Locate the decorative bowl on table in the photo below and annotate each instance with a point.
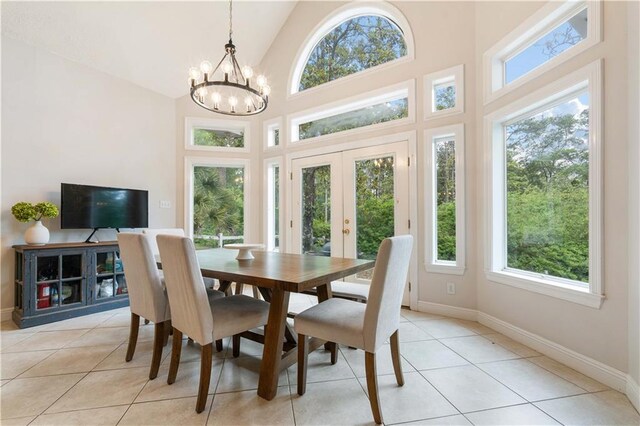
(244, 250)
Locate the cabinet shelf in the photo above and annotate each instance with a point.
(59, 281)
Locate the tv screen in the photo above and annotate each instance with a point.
(84, 206)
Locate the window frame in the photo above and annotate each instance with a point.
(191, 162)
(432, 264)
(588, 78)
(337, 17)
(455, 74)
(268, 203)
(374, 97)
(192, 123)
(537, 25)
(268, 127)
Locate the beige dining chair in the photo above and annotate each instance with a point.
(191, 315)
(154, 232)
(147, 294)
(363, 326)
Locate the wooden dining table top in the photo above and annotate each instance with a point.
(289, 272)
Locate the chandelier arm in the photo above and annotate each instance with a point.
(236, 70)
(219, 63)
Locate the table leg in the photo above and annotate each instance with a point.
(289, 334)
(324, 293)
(272, 353)
(225, 287)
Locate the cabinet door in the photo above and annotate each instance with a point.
(110, 282)
(60, 279)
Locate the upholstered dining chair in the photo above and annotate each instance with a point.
(193, 316)
(363, 326)
(147, 296)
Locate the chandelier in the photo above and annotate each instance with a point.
(227, 89)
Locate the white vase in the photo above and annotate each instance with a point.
(37, 234)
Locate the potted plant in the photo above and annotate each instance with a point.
(37, 234)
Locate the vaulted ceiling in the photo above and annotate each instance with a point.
(151, 44)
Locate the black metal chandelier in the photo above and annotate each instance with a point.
(226, 89)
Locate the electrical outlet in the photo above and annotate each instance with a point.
(451, 288)
(164, 204)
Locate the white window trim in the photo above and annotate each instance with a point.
(590, 78)
(268, 127)
(340, 15)
(191, 162)
(538, 24)
(215, 124)
(431, 263)
(268, 203)
(454, 74)
(405, 89)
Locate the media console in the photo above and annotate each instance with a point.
(65, 280)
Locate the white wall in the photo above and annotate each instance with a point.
(634, 194)
(64, 122)
(599, 334)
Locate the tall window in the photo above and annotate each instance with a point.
(445, 199)
(274, 236)
(352, 46)
(546, 183)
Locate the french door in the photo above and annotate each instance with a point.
(346, 203)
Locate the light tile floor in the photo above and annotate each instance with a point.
(456, 373)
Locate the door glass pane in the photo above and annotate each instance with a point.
(105, 287)
(71, 292)
(47, 268)
(316, 210)
(72, 266)
(218, 206)
(374, 207)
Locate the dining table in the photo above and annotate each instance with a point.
(277, 275)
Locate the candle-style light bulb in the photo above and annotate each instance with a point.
(261, 80)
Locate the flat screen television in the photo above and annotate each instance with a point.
(95, 207)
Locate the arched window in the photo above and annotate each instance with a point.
(352, 40)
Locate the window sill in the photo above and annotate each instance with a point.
(444, 269)
(548, 288)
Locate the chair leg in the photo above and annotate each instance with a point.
(158, 344)
(256, 293)
(219, 346)
(206, 358)
(395, 357)
(236, 345)
(176, 349)
(333, 347)
(372, 386)
(303, 353)
(133, 336)
(167, 332)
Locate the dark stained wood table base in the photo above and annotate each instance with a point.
(277, 275)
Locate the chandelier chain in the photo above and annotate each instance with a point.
(230, 19)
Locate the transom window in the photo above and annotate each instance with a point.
(204, 134)
(354, 45)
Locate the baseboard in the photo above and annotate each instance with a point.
(610, 376)
(5, 314)
(450, 311)
(633, 392)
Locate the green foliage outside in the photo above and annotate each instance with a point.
(548, 195)
(217, 204)
(445, 97)
(355, 45)
(380, 113)
(25, 212)
(221, 138)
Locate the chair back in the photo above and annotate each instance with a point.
(382, 315)
(146, 291)
(190, 310)
(153, 233)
